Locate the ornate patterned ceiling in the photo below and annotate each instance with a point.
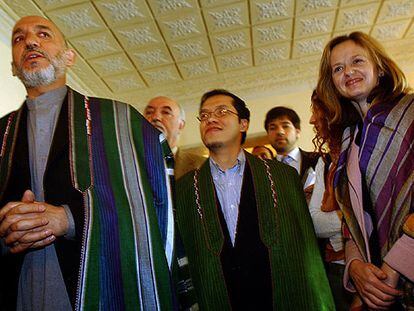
(133, 50)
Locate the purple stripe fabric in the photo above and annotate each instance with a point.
(385, 200)
(111, 289)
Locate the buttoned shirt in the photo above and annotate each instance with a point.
(228, 185)
(295, 159)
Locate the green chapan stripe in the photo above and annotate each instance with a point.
(158, 253)
(125, 226)
(92, 292)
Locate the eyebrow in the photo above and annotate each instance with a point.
(219, 106)
(37, 27)
(152, 108)
(353, 56)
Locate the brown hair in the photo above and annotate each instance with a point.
(327, 137)
(391, 84)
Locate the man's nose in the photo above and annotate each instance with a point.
(280, 131)
(31, 41)
(157, 115)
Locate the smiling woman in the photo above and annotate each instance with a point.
(364, 92)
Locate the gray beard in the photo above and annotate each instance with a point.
(43, 76)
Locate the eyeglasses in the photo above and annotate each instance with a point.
(218, 113)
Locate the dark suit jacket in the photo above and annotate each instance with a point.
(309, 159)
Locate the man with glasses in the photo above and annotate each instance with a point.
(244, 222)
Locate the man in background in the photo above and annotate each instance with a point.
(282, 125)
(169, 117)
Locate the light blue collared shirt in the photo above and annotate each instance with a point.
(228, 185)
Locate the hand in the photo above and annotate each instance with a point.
(369, 281)
(30, 224)
(392, 275)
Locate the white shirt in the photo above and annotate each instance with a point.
(228, 185)
(326, 224)
(296, 158)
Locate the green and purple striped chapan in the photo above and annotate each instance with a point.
(118, 161)
(126, 190)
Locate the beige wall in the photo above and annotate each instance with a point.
(12, 92)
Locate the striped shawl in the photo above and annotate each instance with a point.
(386, 160)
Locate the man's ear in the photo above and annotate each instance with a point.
(70, 57)
(297, 133)
(244, 125)
(182, 124)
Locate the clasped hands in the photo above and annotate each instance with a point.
(30, 224)
(375, 286)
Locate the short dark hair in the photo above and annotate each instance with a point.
(279, 112)
(238, 104)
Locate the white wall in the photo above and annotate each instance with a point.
(12, 91)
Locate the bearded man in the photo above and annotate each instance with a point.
(86, 216)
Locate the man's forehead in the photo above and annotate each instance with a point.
(36, 22)
(282, 119)
(214, 106)
(162, 102)
(218, 101)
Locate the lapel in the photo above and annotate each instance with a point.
(60, 139)
(210, 221)
(79, 122)
(268, 215)
(303, 163)
(14, 160)
(341, 185)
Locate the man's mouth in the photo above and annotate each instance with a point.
(212, 129)
(33, 55)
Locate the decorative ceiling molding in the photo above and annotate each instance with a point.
(136, 49)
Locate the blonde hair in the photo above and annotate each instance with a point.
(339, 113)
(391, 85)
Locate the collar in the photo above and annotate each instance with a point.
(174, 150)
(47, 100)
(294, 154)
(239, 166)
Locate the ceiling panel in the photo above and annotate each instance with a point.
(133, 50)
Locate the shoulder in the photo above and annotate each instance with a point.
(406, 104)
(9, 117)
(185, 187)
(312, 157)
(188, 178)
(189, 156)
(276, 167)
